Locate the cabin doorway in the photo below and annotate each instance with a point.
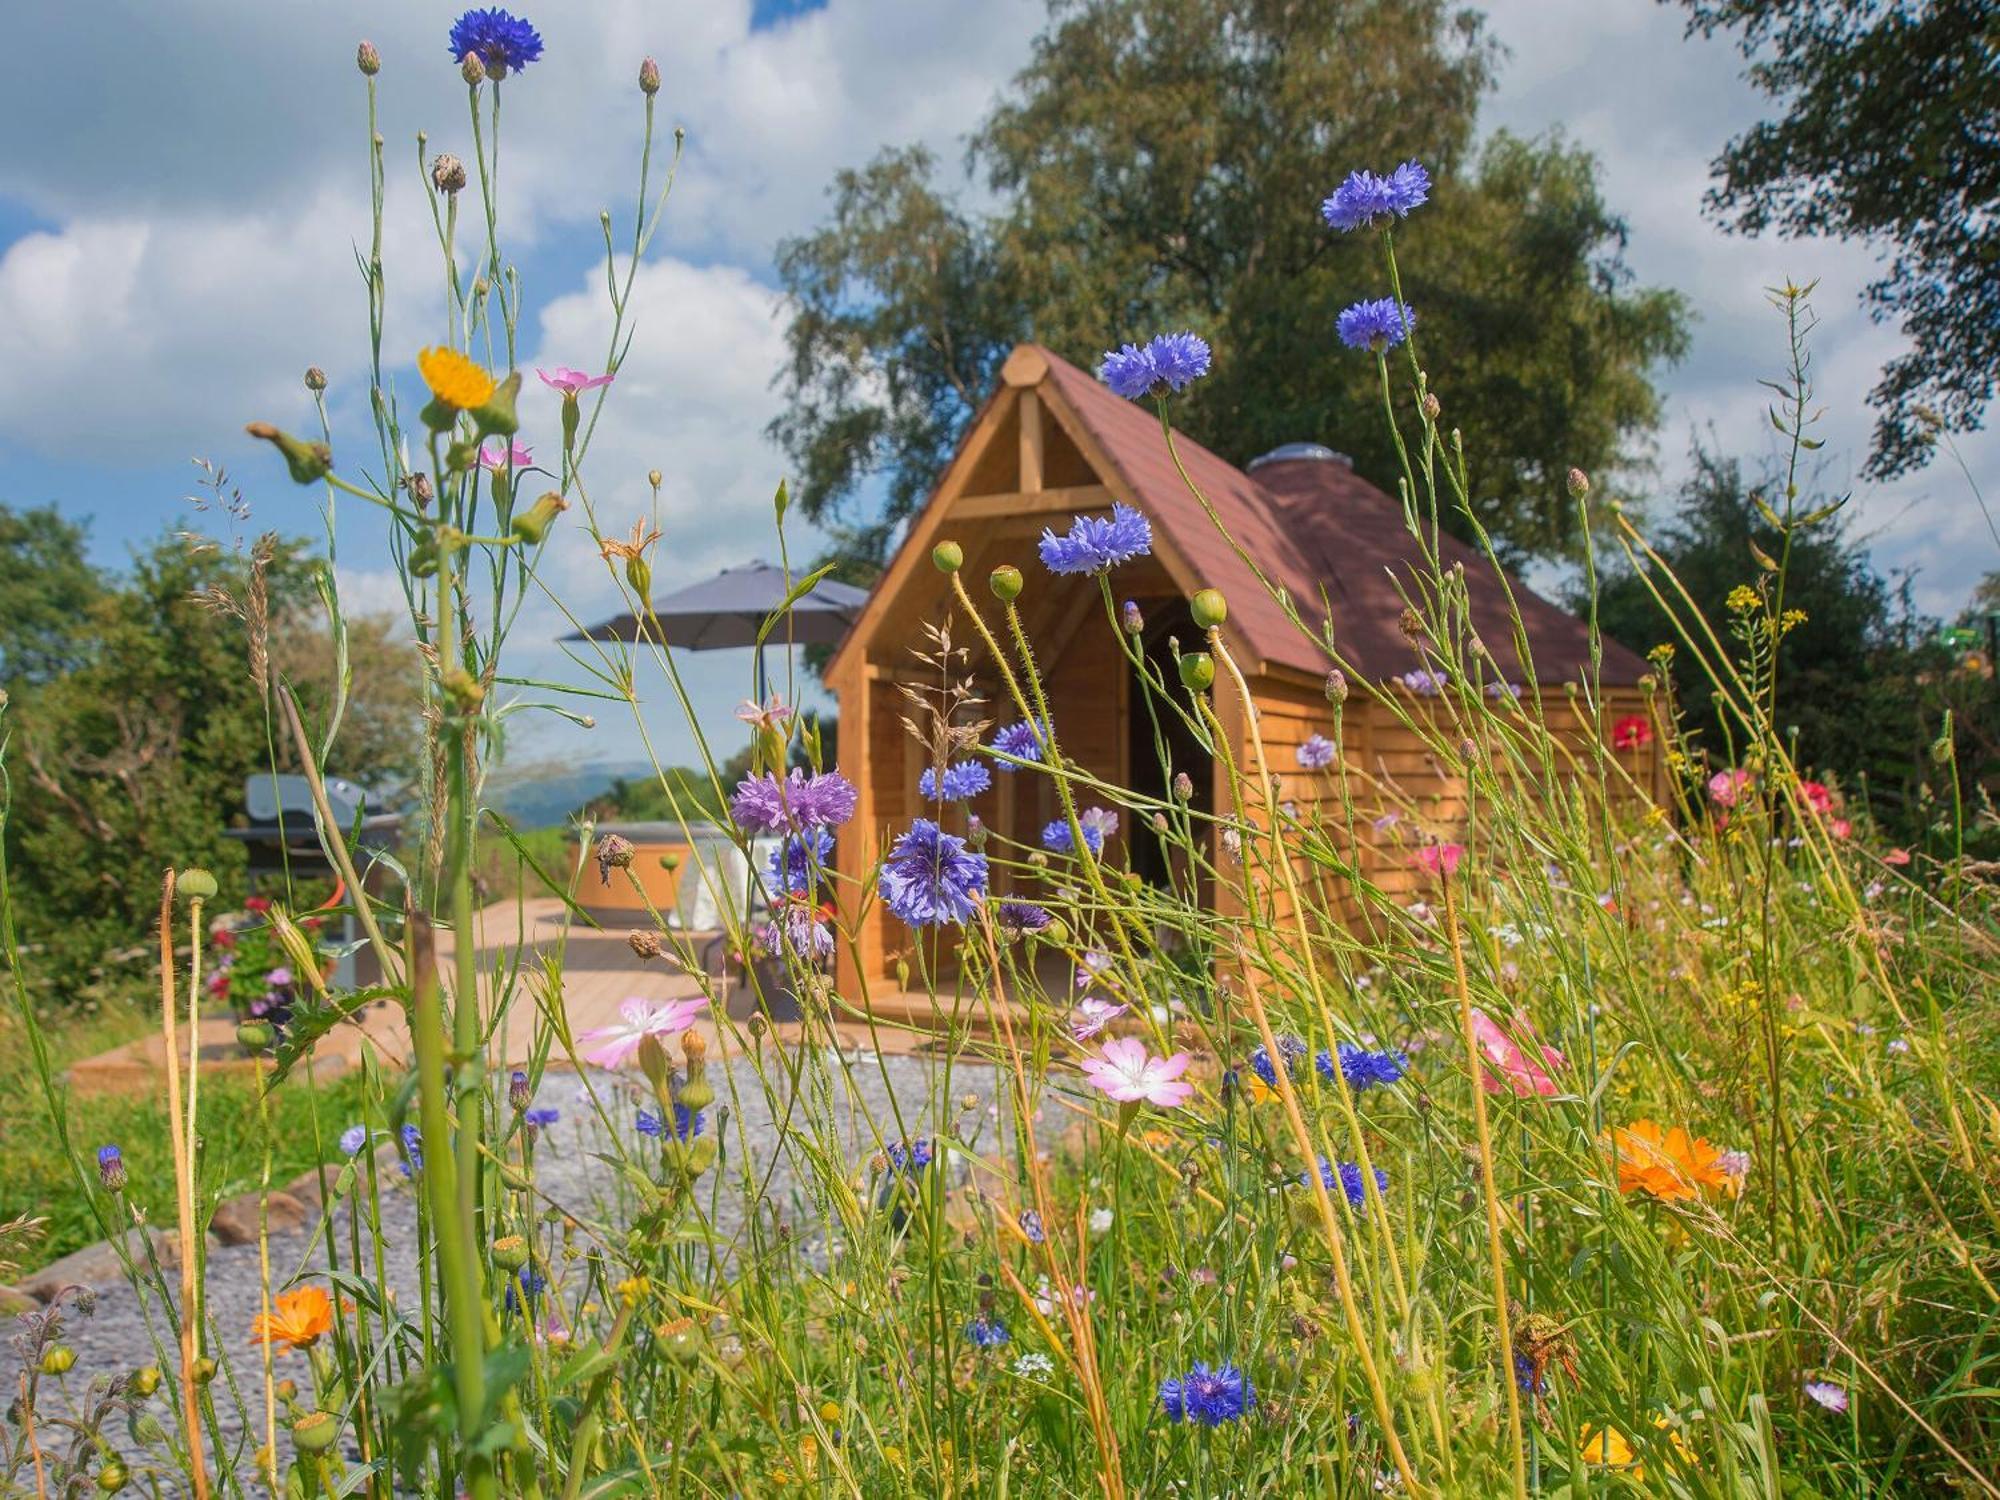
(1159, 745)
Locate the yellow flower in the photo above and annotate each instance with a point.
(1742, 599)
(301, 1317)
(454, 379)
(1607, 1446)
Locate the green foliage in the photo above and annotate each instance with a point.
(1862, 681)
(49, 594)
(1889, 114)
(1159, 165)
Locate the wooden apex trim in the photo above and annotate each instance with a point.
(1026, 366)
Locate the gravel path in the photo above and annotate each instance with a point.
(116, 1336)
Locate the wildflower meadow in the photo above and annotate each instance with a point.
(1622, 1123)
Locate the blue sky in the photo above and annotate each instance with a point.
(182, 193)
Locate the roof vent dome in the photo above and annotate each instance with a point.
(1299, 453)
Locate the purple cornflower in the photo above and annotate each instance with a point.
(1208, 1396)
(542, 1118)
(1365, 200)
(413, 1151)
(762, 805)
(1019, 741)
(111, 1168)
(1290, 1048)
(931, 878)
(520, 1092)
(687, 1123)
(504, 43)
(1348, 1179)
(1031, 1227)
(1316, 754)
(1424, 682)
(1364, 1069)
(987, 1333)
(909, 1158)
(353, 1139)
(1097, 544)
(1378, 325)
(1057, 839)
(960, 782)
(1166, 362)
(799, 863)
(1525, 1377)
(797, 926)
(1498, 690)
(531, 1284)
(1827, 1394)
(1018, 917)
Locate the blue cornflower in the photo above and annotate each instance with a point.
(1317, 753)
(987, 1333)
(1364, 1069)
(909, 1158)
(1376, 325)
(1018, 740)
(413, 1151)
(1290, 1048)
(1097, 544)
(1348, 1178)
(931, 878)
(504, 43)
(687, 1123)
(1365, 199)
(1166, 362)
(1023, 916)
(1057, 838)
(1031, 1226)
(542, 1118)
(532, 1284)
(960, 782)
(353, 1139)
(111, 1168)
(1208, 1396)
(1531, 1382)
(1425, 682)
(799, 863)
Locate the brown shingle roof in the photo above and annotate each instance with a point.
(1314, 524)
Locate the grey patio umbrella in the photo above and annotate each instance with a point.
(730, 608)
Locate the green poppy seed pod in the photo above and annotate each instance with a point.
(112, 1478)
(424, 559)
(1579, 484)
(472, 70)
(697, 1094)
(670, 861)
(465, 691)
(948, 556)
(1209, 608)
(286, 1390)
(308, 462)
(315, 1431)
(367, 59)
(204, 1370)
(1005, 582)
(255, 1036)
(144, 1381)
(58, 1359)
(649, 77)
(315, 379)
(195, 883)
(1198, 671)
(510, 1252)
(655, 478)
(461, 456)
(700, 1155)
(532, 524)
(497, 417)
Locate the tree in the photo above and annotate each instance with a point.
(50, 588)
(1159, 164)
(1890, 133)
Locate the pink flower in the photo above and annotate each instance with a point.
(1438, 859)
(770, 715)
(1815, 796)
(615, 1046)
(1128, 1073)
(1724, 787)
(1091, 1015)
(494, 457)
(572, 383)
(1508, 1065)
(1840, 828)
(1897, 857)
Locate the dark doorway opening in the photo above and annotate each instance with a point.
(1160, 744)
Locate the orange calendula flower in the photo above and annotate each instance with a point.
(454, 379)
(1669, 1165)
(299, 1319)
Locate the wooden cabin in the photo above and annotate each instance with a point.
(1050, 443)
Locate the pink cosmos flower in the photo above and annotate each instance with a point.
(572, 383)
(1725, 787)
(1091, 1015)
(1508, 1065)
(614, 1046)
(493, 457)
(1438, 859)
(1128, 1073)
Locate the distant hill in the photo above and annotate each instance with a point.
(550, 793)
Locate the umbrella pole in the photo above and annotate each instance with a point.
(761, 679)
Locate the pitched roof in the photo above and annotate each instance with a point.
(1314, 524)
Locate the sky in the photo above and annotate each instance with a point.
(183, 195)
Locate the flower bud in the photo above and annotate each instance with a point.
(520, 1092)
(1579, 484)
(639, 579)
(1005, 582)
(497, 417)
(204, 1370)
(697, 1094)
(655, 478)
(1183, 786)
(975, 831)
(472, 70)
(255, 1035)
(112, 1478)
(532, 524)
(510, 1252)
(111, 1169)
(1198, 671)
(447, 173)
(1133, 621)
(315, 379)
(308, 462)
(948, 557)
(614, 852)
(195, 883)
(1432, 406)
(649, 77)
(367, 59)
(144, 1381)
(1336, 686)
(286, 1390)
(316, 1431)
(1209, 608)
(58, 1359)
(422, 491)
